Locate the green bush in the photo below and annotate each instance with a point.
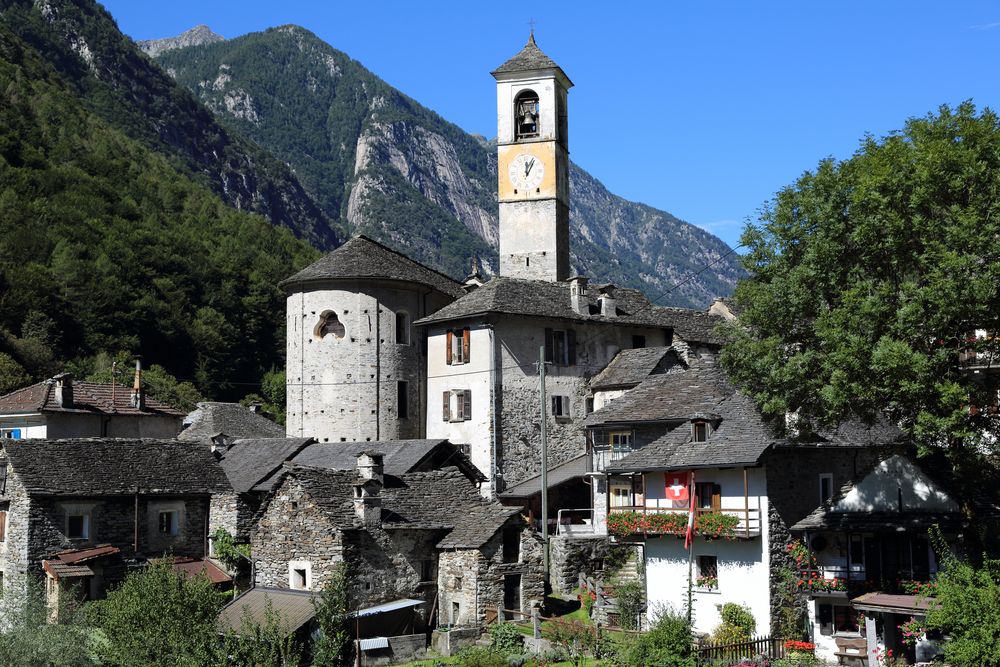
(667, 644)
(629, 594)
(505, 638)
(479, 656)
(737, 625)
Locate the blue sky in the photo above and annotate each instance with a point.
(703, 109)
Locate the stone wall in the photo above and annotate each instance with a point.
(529, 565)
(569, 557)
(14, 549)
(458, 584)
(224, 512)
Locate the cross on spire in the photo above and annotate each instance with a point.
(531, 24)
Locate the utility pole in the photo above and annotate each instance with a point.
(545, 465)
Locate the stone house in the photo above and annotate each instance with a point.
(688, 434)
(77, 511)
(417, 535)
(63, 408)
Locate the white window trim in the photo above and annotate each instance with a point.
(300, 565)
(85, 532)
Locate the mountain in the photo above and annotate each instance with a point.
(200, 34)
(121, 85)
(380, 163)
(109, 241)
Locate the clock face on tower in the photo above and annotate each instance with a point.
(526, 172)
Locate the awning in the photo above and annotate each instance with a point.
(893, 604)
(373, 643)
(387, 607)
(59, 570)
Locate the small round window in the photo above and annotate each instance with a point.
(329, 324)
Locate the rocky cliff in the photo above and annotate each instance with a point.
(378, 162)
(196, 36)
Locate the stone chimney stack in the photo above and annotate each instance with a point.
(64, 390)
(367, 490)
(609, 305)
(138, 394)
(578, 295)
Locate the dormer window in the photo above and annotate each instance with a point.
(526, 115)
(699, 431)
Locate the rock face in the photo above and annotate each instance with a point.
(379, 163)
(196, 36)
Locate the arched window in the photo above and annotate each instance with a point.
(329, 324)
(526, 115)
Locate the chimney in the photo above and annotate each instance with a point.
(138, 395)
(254, 408)
(367, 501)
(64, 390)
(578, 295)
(609, 306)
(474, 279)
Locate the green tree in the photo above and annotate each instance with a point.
(967, 609)
(331, 648)
(159, 618)
(869, 275)
(12, 374)
(267, 644)
(30, 639)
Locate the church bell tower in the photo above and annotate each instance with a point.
(533, 166)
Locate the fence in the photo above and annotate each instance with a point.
(715, 653)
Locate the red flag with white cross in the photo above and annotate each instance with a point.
(677, 486)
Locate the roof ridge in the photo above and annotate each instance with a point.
(407, 258)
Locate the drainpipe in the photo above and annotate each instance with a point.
(135, 526)
(493, 411)
(378, 370)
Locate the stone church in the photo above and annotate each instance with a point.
(381, 347)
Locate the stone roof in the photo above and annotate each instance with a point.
(437, 500)
(212, 419)
(88, 398)
(444, 499)
(250, 461)
(575, 468)
(527, 59)
(399, 456)
(110, 467)
(292, 608)
(551, 300)
(362, 257)
(630, 367)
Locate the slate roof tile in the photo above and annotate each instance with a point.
(528, 58)
(233, 420)
(249, 461)
(362, 257)
(110, 466)
(630, 367)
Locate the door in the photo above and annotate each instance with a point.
(511, 595)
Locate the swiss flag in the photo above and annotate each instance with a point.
(677, 485)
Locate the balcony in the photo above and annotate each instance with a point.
(729, 524)
(981, 352)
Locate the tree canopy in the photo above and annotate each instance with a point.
(870, 278)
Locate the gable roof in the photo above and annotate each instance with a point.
(894, 493)
(527, 59)
(551, 300)
(630, 367)
(575, 468)
(399, 456)
(88, 397)
(212, 419)
(362, 257)
(249, 461)
(110, 467)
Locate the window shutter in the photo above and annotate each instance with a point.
(446, 404)
(467, 414)
(465, 345)
(555, 406)
(447, 353)
(548, 345)
(716, 496)
(3, 526)
(571, 346)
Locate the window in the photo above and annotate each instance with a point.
(300, 575)
(402, 329)
(3, 477)
(560, 406)
(329, 324)
(402, 399)
(620, 492)
(836, 618)
(621, 444)
(78, 526)
(560, 347)
(825, 487)
(3, 526)
(427, 570)
(457, 405)
(10, 434)
(169, 522)
(699, 431)
(511, 544)
(457, 346)
(708, 495)
(526, 115)
(708, 572)
(857, 550)
(638, 341)
(456, 613)
(588, 405)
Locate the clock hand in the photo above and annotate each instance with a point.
(527, 167)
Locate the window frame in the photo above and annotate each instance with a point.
(295, 566)
(458, 346)
(403, 327)
(559, 407)
(461, 399)
(560, 347)
(825, 477)
(618, 484)
(84, 525)
(705, 430)
(173, 525)
(708, 566)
